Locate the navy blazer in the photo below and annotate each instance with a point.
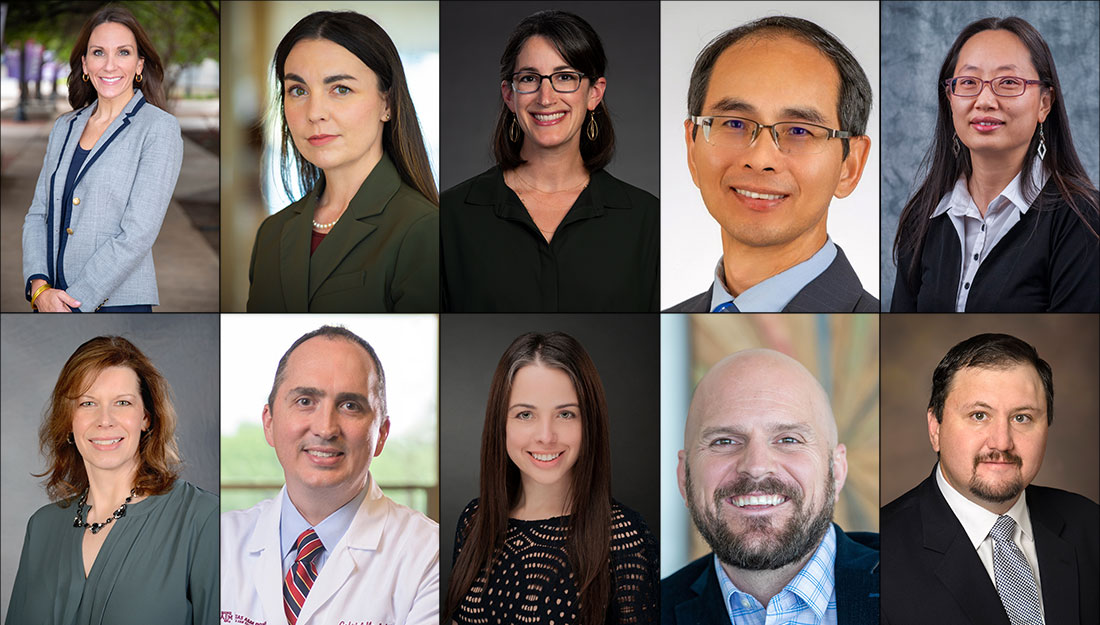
(693, 596)
(931, 572)
(837, 289)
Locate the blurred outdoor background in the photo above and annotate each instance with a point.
(842, 353)
(252, 187)
(37, 39)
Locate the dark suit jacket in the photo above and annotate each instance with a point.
(837, 289)
(382, 256)
(932, 574)
(693, 596)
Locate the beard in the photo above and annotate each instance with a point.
(760, 546)
(996, 493)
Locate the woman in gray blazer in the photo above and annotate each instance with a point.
(110, 168)
(364, 235)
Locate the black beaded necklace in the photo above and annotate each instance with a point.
(95, 527)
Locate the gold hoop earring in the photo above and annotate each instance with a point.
(137, 79)
(84, 78)
(593, 129)
(513, 130)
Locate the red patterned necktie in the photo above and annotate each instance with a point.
(302, 574)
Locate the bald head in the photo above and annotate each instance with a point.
(759, 382)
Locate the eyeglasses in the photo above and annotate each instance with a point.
(1004, 86)
(562, 82)
(790, 137)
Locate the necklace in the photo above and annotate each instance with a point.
(95, 527)
(325, 226)
(531, 186)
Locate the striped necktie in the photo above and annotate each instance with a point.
(302, 574)
(1015, 583)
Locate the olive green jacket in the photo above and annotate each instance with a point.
(382, 256)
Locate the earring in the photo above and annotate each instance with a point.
(513, 130)
(955, 145)
(593, 130)
(137, 79)
(69, 438)
(1042, 151)
(84, 78)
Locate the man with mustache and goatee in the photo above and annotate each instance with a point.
(760, 471)
(976, 542)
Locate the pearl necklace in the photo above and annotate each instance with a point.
(95, 527)
(325, 226)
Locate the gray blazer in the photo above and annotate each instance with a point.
(119, 200)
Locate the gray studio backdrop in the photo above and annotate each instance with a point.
(471, 42)
(33, 348)
(915, 40)
(626, 350)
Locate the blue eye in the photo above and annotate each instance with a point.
(788, 440)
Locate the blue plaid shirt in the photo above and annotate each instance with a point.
(809, 598)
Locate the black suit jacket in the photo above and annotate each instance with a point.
(693, 596)
(837, 289)
(932, 574)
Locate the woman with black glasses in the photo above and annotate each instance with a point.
(547, 229)
(1006, 219)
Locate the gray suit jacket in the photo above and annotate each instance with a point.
(119, 200)
(837, 289)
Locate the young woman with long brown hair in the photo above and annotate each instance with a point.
(545, 542)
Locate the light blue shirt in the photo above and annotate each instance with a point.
(330, 530)
(774, 293)
(979, 234)
(808, 599)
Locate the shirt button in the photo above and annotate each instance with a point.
(975, 257)
(76, 201)
(967, 286)
(69, 230)
(744, 603)
(983, 227)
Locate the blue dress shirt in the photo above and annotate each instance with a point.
(330, 530)
(774, 293)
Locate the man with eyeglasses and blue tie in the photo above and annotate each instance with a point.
(778, 110)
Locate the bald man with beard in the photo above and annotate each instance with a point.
(760, 471)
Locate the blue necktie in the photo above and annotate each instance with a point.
(1015, 583)
(729, 307)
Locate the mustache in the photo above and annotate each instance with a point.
(766, 486)
(999, 456)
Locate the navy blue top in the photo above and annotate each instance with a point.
(66, 213)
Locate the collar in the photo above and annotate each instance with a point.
(603, 192)
(774, 293)
(330, 530)
(1017, 194)
(813, 585)
(976, 520)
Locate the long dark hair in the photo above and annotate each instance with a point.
(82, 93)
(580, 46)
(943, 168)
(401, 137)
(588, 543)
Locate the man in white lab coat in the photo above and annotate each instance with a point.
(330, 547)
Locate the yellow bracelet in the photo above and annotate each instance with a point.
(39, 292)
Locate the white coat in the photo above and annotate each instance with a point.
(384, 571)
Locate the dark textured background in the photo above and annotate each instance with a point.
(915, 39)
(626, 351)
(472, 38)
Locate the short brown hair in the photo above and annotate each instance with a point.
(158, 455)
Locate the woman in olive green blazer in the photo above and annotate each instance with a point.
(365, 236)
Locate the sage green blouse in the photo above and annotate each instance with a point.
(159, 565)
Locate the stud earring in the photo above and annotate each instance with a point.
(955, 145)
(593, 130)
(513, 130)
(1042, 150)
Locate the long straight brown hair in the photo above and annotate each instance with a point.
(588, 540)
(82, 93)
(401, 137)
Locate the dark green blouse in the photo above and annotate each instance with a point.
(159, 565)
(602, 258)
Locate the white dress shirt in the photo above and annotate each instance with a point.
(977, 521)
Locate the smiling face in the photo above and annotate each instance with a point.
(543, 428)
(333, 107)
(111, 61)
(760, 470)
(989, 124)
(993, 435)
(108, 420)
(760, 196)
(548, 119)
(324, 425)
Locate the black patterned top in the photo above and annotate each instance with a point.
(532, 582)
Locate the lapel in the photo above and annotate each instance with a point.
(954, 560)
(836, 290)
(707, 606)
(1057, 563)
(264, 565)
(856, 575)
(362, 218)
(294, 257)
